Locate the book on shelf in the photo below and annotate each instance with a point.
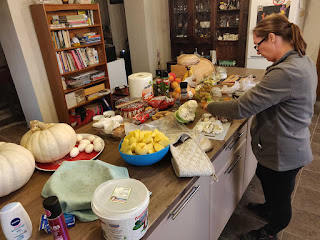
(85, 78)
(57, 25)
(75, 59)
(61, 39)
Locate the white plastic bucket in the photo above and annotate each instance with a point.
(122, 207)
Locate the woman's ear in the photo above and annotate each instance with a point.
(272, 37)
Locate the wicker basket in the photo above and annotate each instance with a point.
(201, 70)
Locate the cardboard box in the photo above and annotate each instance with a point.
(94, 89)
(71, 100)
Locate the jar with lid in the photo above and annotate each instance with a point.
(184, 92)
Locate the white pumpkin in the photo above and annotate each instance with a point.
(16, 167)
(49, 142)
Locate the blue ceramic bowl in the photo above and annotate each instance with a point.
(143, 160)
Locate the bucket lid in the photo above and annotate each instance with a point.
(119, 198)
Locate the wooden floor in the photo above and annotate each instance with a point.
(305, 222)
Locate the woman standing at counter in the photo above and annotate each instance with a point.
(283, 104)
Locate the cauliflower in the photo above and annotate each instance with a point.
(187, 111)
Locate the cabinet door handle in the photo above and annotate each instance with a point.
(229, 170)
(231, 145)
(181, 206)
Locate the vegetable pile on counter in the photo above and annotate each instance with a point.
(187, 112)
(49, 142)
(208, 124)
(16, 167)
(144, 142)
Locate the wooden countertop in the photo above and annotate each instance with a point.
(167, 189)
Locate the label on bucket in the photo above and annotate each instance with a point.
(132, 228)
(120, 194)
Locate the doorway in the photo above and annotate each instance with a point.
(10, 108)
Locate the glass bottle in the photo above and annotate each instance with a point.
(184, 92)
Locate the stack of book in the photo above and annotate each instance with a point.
(96, 75)
(85, 78)
(74, 20)
(72, 60)
(82, 19)
(89, 38)
(61, 39)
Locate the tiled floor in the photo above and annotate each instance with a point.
(305, 222)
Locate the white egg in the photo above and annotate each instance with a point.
(79, 137)
(97, 147)
(86, 141)
(74, 152)
(97, 140)
(91, 138)
(89, 148)
(82, 146)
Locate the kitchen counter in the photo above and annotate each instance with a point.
(167, 189)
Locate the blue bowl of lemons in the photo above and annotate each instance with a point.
(144, 148)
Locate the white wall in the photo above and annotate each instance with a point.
(21, 48)
(118, 26)
(311, 31)
(254, 60)
(148, 31)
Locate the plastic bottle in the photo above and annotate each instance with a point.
(55, 218)
(15, 222)
(158, 79)
(165, 83)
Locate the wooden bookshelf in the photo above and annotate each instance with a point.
(42, 18)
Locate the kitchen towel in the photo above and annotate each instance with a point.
(189, 160)
(74, 184)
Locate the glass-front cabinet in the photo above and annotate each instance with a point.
(202, 21)
(199, 26)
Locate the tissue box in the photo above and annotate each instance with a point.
(44, 225)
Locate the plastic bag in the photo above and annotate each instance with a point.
(168, 125)
(230, 90)
(247, 83)
(216, 92)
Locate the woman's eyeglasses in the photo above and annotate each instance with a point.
(256, 46)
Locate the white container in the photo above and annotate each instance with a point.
(109, 114)
(140, 85)
(122, 207)
(15, 222)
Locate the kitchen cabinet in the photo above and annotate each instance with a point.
(227, 192)
(251, 161)
(208, 211)
(190, 218)
(209, 25)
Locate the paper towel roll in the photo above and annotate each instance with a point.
(140, 85)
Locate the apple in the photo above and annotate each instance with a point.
(178, 80)
(173, 75)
